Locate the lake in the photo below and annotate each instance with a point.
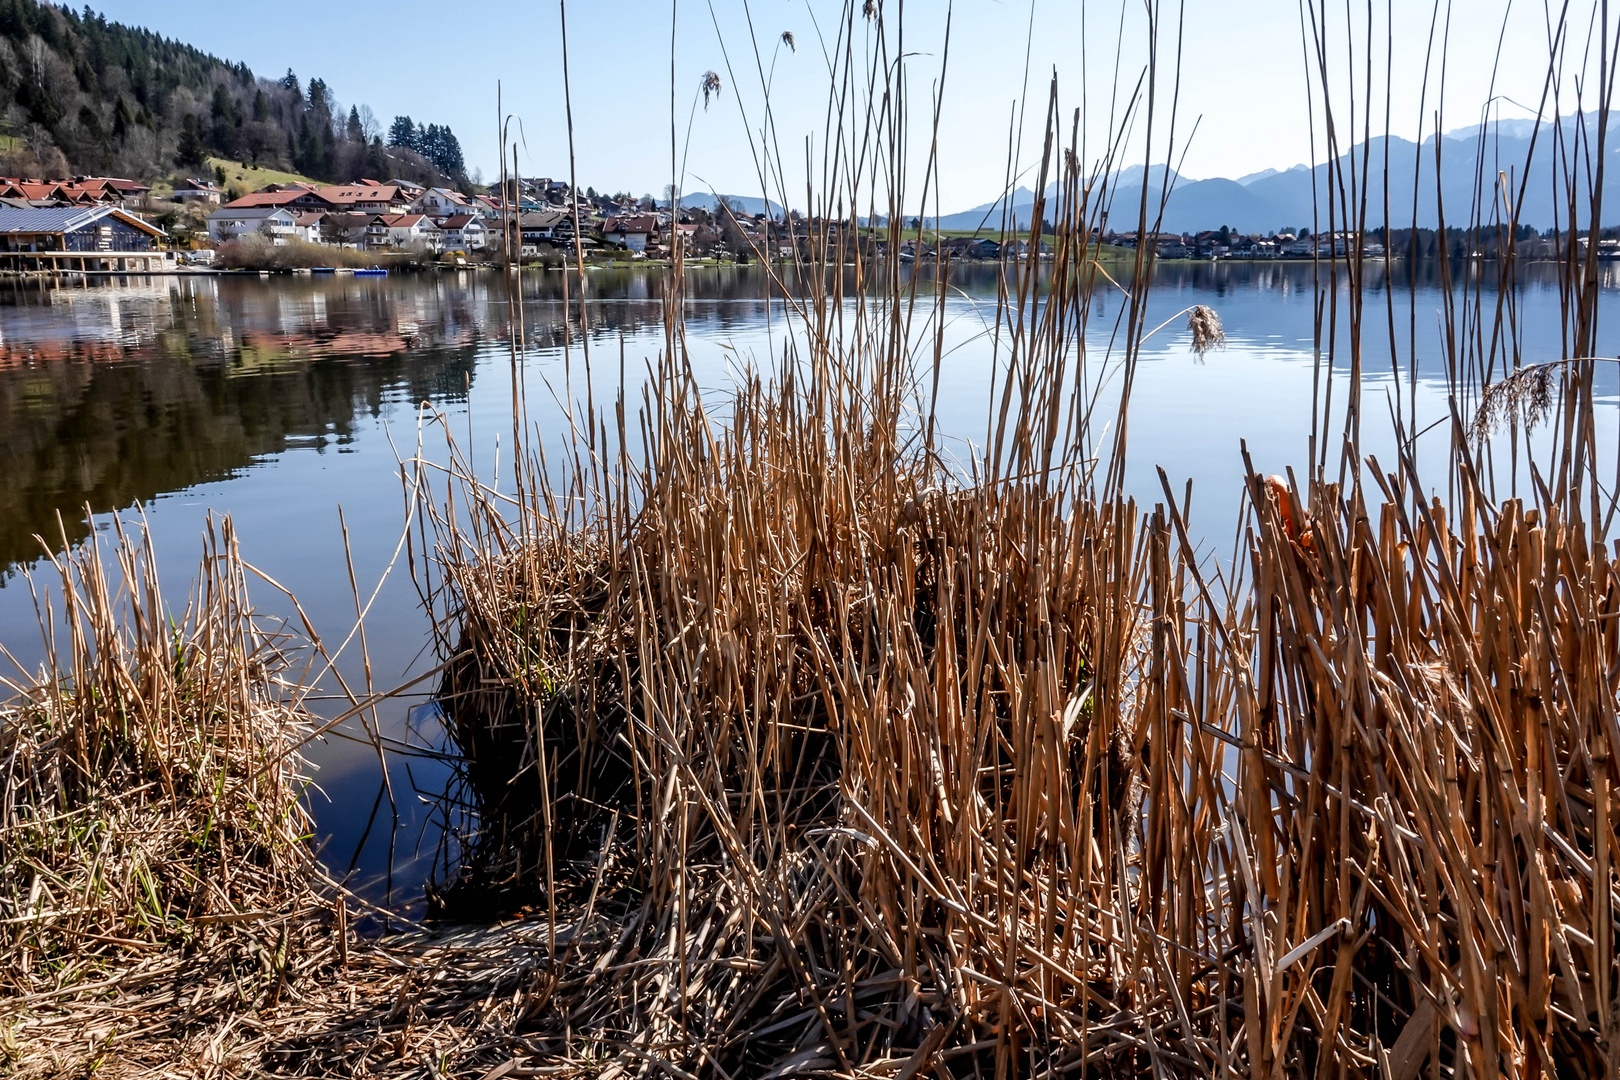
(281, 401)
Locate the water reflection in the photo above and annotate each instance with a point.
(114, 395)
(281, 400)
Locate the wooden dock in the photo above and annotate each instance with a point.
(105, 262)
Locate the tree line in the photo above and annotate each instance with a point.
(80, 94)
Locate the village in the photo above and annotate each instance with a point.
(112, 224)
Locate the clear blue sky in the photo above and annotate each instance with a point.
(1243, 74)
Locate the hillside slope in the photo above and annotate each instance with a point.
(79, 94)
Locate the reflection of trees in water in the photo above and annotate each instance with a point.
(201, 382)
(119, 392)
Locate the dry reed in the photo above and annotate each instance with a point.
(801, 754)
(153, 845)
(822, 759)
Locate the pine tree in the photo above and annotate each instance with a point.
(450, 161)
(320, 100)
(191, 150)
(123, 118)
(225, 121)
(402, 132)
(307, 155)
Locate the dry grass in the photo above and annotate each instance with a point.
(798, 752)
(153, 846)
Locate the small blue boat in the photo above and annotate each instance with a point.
(375, 271)
(323, 270)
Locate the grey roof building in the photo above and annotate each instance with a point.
(75, 229)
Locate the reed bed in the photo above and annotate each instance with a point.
(794, 745)
(156, 882)
(827, 765)
(814, 753)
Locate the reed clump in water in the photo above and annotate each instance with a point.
(821, 758)
(815, 669)
(913, 774)
(156, 880)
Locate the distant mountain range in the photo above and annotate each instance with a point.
(708, 200)
(1276, 201)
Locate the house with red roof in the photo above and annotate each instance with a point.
(364, 198)
(291, 199)
(633, 232)
(463, 232)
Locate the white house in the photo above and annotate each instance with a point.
(227, 223)
(631, 232)
(441, 202)
(308, 227)
(205, 191)
(463, 232)
(403, 230)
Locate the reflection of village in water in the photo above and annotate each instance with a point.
(116, 393)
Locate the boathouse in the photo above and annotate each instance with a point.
(77, 238)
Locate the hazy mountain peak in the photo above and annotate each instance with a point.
(1132, 175)
(1284, 200)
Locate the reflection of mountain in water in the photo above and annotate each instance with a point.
(112, 395)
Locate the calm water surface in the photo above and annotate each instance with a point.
(281, 401)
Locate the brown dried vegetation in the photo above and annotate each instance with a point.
(797, 751)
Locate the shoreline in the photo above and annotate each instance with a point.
(1111, 255)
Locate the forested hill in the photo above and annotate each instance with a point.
(79, 94)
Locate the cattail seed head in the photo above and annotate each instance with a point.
(1527, 392)
(1207, 331)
